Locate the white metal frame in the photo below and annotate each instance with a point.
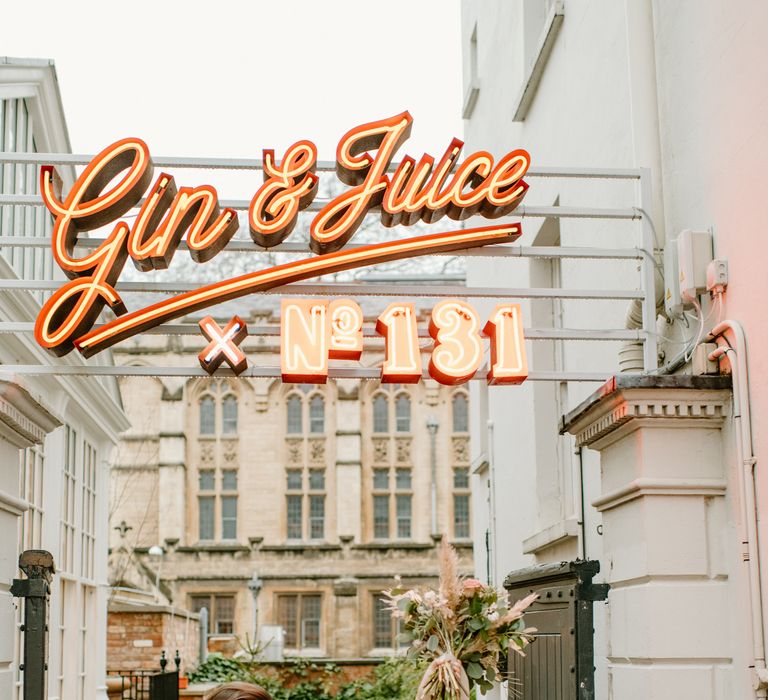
(645, 254)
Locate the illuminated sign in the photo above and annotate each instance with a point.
(313, 332)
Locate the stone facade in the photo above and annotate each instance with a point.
(321, 491)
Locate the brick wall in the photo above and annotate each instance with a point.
(137, 634)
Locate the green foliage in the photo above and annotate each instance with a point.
(395, 679)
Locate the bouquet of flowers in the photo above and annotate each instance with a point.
(464, 630)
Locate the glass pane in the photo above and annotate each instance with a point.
(380, 414)
(229, 517)
(403, 414)
(317, 517)
(403, 479)
(206, 480)
(310, 621)
(461, 515)
(229, 415)
(317, 415)
(381, 516)
(461, 478)
(206, 508)
(294, 415)
(229, 480)
(460, 414)
(317, 479)
(293, 479)
(381, 478)
(287, 615)
(207, 416)
(382, 624)
(224, 614)
(293, 525)
(403, 504)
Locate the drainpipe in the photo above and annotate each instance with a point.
(737, 356)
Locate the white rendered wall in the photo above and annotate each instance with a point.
(679, 87)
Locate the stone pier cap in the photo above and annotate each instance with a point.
(626, 397)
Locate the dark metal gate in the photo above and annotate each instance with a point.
(559, 665)
(148, 685)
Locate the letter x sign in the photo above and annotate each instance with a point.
(224, 345)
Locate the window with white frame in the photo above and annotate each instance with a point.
(31, 489)
(461, 492)
(17, 135)
(69, 486)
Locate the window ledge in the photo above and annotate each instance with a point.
(555, 534)
(470, 98)
(536, 69)
(311, 653)
(214, 547)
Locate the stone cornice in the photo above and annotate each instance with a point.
(626, 403)
(659, 487)
(24, 421)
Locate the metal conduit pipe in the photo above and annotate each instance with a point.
(737, 356)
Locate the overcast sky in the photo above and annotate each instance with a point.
(229, 78)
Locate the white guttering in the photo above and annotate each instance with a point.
(737, 355)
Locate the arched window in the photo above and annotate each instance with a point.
(294, 425)
(460, 413)
(317, 415)
(229, 415)
(380, 414)
(207, 416)
(403, 414)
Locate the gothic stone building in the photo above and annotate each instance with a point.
(321, 492)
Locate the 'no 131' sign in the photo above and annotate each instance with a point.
(312, 332)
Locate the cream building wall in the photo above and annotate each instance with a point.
(57, 432)
(363, 486)
(680, 88)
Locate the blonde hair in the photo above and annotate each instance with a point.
(237, 690)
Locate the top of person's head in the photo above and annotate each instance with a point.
(238, 691)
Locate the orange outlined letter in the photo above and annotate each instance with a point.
(508, 360)
(402, 357)
(335, 224)
(304, 333)
(74, 308)
(346, 330)
(288, 188)
(458, 351)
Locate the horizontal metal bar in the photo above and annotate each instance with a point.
(523, 212)
(245, 246)
(322, 165)
(366, 290)
(333, 372)
(273, 330)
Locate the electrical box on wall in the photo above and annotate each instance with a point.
(694, 253)
(672, 301)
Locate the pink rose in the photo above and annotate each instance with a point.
(472, 584)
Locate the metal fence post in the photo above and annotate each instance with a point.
(648, 272)
(37, 564)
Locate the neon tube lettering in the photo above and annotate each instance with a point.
(304, 332)
(402, 356)
(458, 351)
(508, 360)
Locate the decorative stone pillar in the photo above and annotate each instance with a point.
(171, 467)
(349, 461)
(665, 532)
(24, 422)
